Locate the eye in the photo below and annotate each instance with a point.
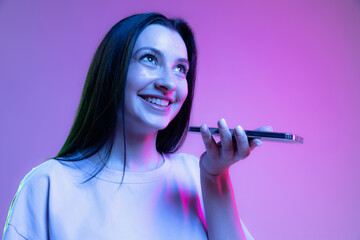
(149, 58)
(181, 68)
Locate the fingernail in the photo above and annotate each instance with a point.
(222, 123)
(239, 130)
(258, 142)
(204, 128)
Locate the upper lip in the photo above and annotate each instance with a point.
(157, 96)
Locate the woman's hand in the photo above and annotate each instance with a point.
(220, 156)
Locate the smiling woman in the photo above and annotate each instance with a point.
(117, 176)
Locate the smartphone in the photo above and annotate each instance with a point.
(270, 136)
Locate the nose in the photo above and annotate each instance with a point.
(166, 82)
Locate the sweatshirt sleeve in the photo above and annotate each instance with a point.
(28, 214)
(11, 233)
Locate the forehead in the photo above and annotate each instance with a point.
(163, 39)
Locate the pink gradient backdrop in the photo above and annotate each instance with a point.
(294, 65)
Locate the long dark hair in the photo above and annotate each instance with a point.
(95, 122)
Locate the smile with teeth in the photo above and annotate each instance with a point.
(158, 101)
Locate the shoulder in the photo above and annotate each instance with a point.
(37, 183)
(43, 173)
(30, 204)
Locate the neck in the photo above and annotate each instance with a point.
(141, 154)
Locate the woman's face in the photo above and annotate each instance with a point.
(156, 84)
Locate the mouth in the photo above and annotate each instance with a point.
(157, 101)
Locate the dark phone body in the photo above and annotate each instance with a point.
(271, 136)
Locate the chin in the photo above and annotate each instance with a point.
(160, 126)
(155, 124)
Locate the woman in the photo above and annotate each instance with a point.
(117, 176)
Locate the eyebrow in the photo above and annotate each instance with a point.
(157, 52)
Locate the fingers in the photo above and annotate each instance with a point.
(265, 129)
(227, 148)
(243, 149)
(209, 142)
(255, 142)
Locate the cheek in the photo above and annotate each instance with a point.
(183, 92)
(130, 79)
(136, 79)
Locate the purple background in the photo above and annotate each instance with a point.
(294, 65)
